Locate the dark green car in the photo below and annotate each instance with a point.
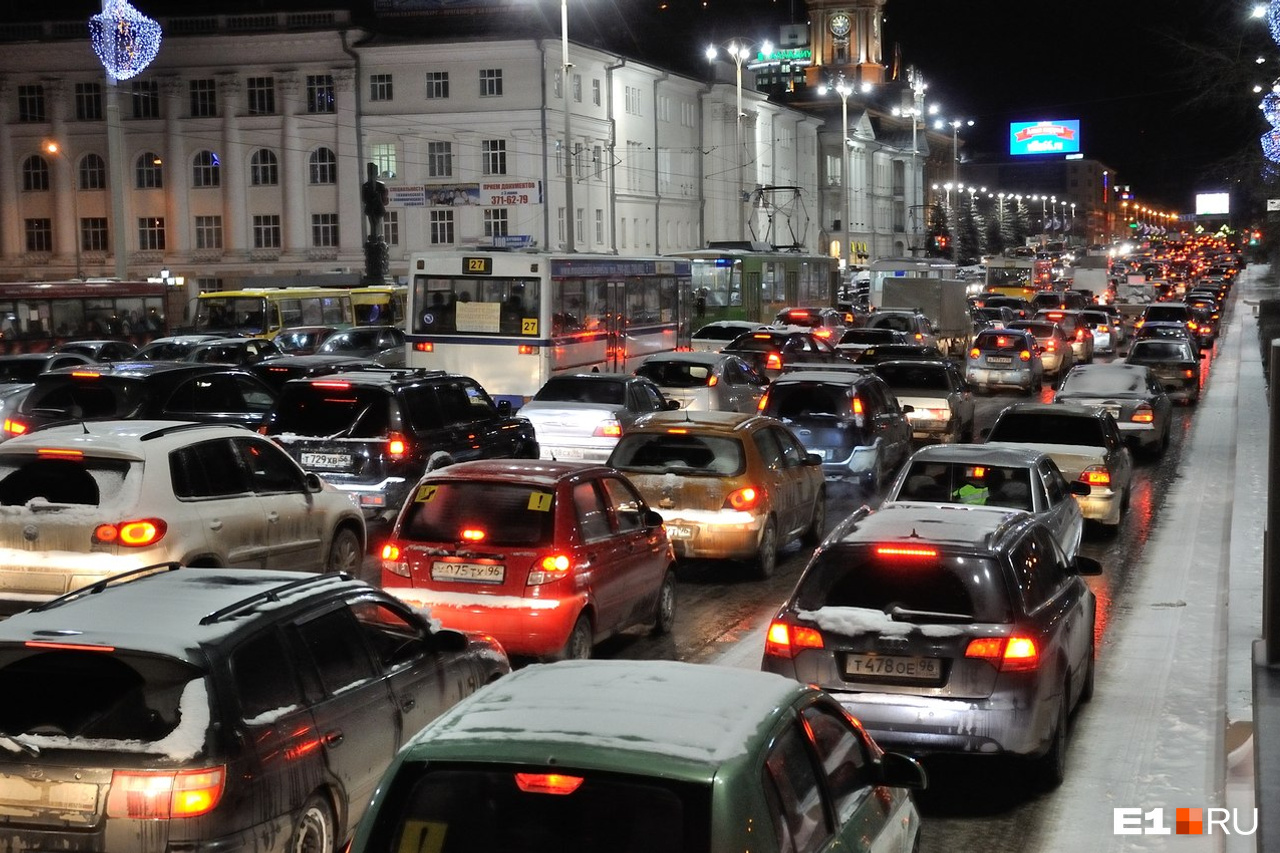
(608, 756)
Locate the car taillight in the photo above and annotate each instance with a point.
(713, 381)
(160, 795)
(919, 336)
(1051, 346)
(1102, 328)
(1191, 324)
(1025, 355)
(1143, 414)
(764, 402)
(773, 361)
(822, 333)
(742, 499)
(1095, 475)
(1188, 373)
(975, 353)
(397, 445)
(550, 568)
(1007, 654)
(548, 783)
(131, 534)
(610, 428)
(785, 641)
(14, 427)
(392, 562)
(856, 406)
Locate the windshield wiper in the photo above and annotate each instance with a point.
(29, 749)
(902, 614)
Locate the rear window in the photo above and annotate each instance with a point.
(83, 481)
(718, 333)
(1046, 428)
(870, 336)
(572, 389)
(1163, 313)
(854, 576)
(72, 397)
(1160, 351)
(800, 400)
(1040, 330)
(103, 700)
(1000, 343)
(757, 343)
(676, 374)
(333, 410)
(506, 515)
(800, 317)
(897, 322)
(603, 813)
(1107, 383)
(917, 377)
(966, 483)
(685, 453)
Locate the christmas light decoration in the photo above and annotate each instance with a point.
(1273, 20)
(1271, 101)
(124, 39)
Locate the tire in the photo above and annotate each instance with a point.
(1051, 768)
(767, 555)
(664, 610)
(314, 831)
(345, 553)
(818, 526)
(580, 642)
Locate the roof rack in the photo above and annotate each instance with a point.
(272, 595)
(99, 586)
(182, 427)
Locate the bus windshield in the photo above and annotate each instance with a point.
(447, 305)
(231, 314)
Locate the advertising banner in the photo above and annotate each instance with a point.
(1044, 137)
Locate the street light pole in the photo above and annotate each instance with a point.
(739, 53)
(55, 149)
(570, 242)
(844, 91)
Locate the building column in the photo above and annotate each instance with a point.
(351, 172)
(235, 212)
(62, 166)
(10, 217)
(293, 167)
(176, 209)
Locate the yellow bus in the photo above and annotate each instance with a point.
(379, 305)
(261, 312)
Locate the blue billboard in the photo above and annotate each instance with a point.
(1044, 137)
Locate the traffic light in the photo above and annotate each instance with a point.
(942, 242)
(1255, 237)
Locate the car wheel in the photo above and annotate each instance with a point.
(1051, 768)
(313, 833)
(664, 615)
(818, 526)
(345, 554)
(767, 554)
(580, 642)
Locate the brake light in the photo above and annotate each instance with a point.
(1007, 654)
(905, 551)
(919, 336)
(162, 795)
(1051, 345)
(391, 561)
(764, 402)
(1188, 373)
(526, 349)
(742, 499)
(1001, 343)
(822, 333)
(1191, 324)
(610, 428)
(131, 534)
(86, 374)
(974, 353)
(1080, 334)
(1096, 475)
(397, 445)
(1143, 414)
(1025, 355)
(773, 361)
(784, 641)
(857, 406)
(550, 568)
(472, 534)
(14, 427)
(1102, 328)
(341, 386)
(547, 783)
(60, 453)
(424, 346)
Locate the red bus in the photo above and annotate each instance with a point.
(38, 315)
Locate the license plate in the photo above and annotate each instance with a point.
(326, 460)
(62, 796)
(566, 452)
(999, 359)
(893, 667)
(477, 572)
(677, 532)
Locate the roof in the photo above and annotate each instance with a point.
(690, 357)
(987, 454)
(1053, 409)
(835, 376)
(108, 437)
(974, 528)
(542, 472)
(684, 417)
(612, 714)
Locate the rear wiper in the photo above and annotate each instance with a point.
(29, 749)
(355, 422)
(902, 614)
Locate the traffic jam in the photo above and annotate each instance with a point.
(909, 512)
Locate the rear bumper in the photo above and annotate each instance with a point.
(528, 627)
(995, 377)
(713, 535)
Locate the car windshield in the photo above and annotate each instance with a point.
(579, 389)
(916, 377)
(967, 483)
(1153, 350)
(1105, 383)
(855, 577)
(685, 453)
(498, 808)
(1048, 428)
(676, 374)
(491, 513)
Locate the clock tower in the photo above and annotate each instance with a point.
(845, 36)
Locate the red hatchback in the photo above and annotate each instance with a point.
(547, 557)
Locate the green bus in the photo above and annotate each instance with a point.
(753, 284)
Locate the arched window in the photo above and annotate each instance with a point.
(324, 166)
(93, 173)
(264, 170)
(206, 170)
(35, 174)
(148, 171)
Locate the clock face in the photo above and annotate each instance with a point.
(840, 25)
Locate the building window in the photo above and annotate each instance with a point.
(490, 82)
(560, 224)
(262, 95)
(383, 155)
(319, 93)
(204, 98)
(146, 99)
(598, 159)
(206, 171)
(31, 102)
(89, 101)
(324, 166)
(391, 228)
(266, 232)
(440, 159)
(599, 227)
(495, 222)
(39, 235)
(437, 85)
(556, 87)
(580, 226)
(442, 227)
(633, 97)
(35, 174)
(264, 169)
(208, 232)
(93, 173)
(147, 172)
(493, 154)
(577, 88)
(380, 87)
(93, 234)
(151, 234)
(324, 230)
(595, 92)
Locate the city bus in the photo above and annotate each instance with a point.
(379, 305)
(756, 283)
(261, 312)
(512, 320)
(36, 316)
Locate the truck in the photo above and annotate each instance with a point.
(1095, 280)
(943, 300)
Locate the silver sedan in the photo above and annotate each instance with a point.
(706, 381)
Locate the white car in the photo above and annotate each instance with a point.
(714, 335)
(83, 502)
(580, 416)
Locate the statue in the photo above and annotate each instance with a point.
(375, 196)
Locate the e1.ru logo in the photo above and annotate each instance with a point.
(1186, 822)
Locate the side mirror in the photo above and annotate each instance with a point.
(813, 459)
(504, 408)
(1087, 566)
(652, 518)
(672, 404)
(907, 409)
(901, 771)
(448, 640)
(1078, 488)
(313, 482)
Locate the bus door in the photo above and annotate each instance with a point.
(615, 327)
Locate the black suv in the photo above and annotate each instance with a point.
(374, 433)
(174, 708)
(151, 390)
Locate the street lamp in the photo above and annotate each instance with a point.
(738, 52)
(842, 89)
(955, 124)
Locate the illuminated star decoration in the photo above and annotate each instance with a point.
(1270, 105)
(125, 39)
